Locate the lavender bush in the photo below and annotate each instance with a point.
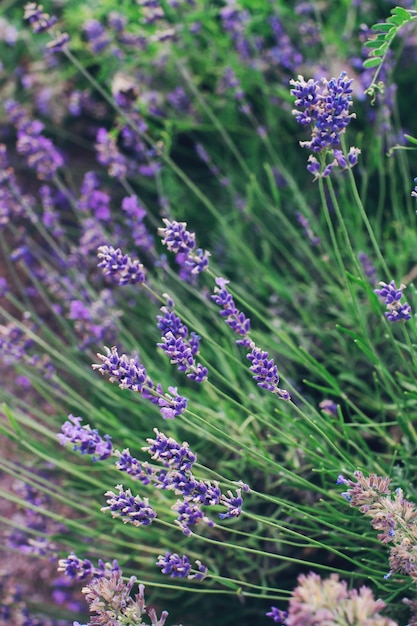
(208, 312)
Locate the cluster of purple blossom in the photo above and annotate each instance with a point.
(263, 368)
(39, 151)
(317, 602)
(391, 514)
(42, 22)
(181, 242)
(108, 596)
(324, 105)
(176, 344)
(396, 311)
(33, 530)
(176, 475)
(129, 373)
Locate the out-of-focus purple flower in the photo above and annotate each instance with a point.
(109, 155)
(40, 22)
(305, 223)
(233, 317)
(172, 404)
(329, 407)
(58, 43)
(135, 216)
(368, 267)
(396, 311)
(3, 287)
(85, 439)
(96, 35)
(117, 21)
(265, 372)
(39, 151)
(131, 509)
(277, 616)
(120, 267)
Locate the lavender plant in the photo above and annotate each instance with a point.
(227, 303)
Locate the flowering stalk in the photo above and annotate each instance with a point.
(391, 514)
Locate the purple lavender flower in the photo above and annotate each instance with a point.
(131, 509)
(131, 374)
(40, 22)
(180, 567)
(329, 407)
(176, 237)
(368, 268)
(175, 343)
(109, 155)
(84, 439)
(189, 514)
(135, 215)
(96, 36)
(76, 568)
(206, 493)
(128, 372)
(39, 151)
(134, 468)
(233, 503)
(174, 565)
(179, 240)
(265, 372)
(277, 616)
(82, 569)
(120, 267)
(170, 453)
(396, 311)
(324, 105)
(305, 223)
(172, 404)
(233, 317)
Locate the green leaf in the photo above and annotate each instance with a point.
(13, 422)
(402, 13)
(396, 19)
(373, 62)
(383, 27)
(409, 137)
(373, 43)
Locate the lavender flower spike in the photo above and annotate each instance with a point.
(233, 317)
(179, 240)
(129, 373)
(131, 509)
(86, 440)
(120, 267)
(176, 344)
(179, 567)
(265, 372)
(324, 106)
(396, 311)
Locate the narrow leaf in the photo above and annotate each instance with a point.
(374, 62)
(13, 422)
